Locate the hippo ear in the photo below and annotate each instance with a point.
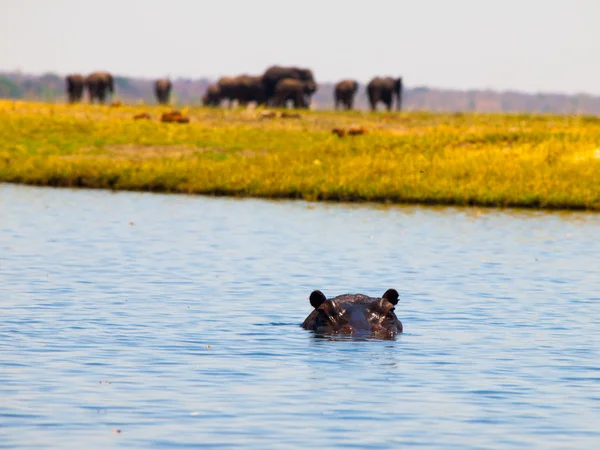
(317, 298)
(391, 295)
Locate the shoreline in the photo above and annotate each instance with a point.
(383, 202)
(482, 160)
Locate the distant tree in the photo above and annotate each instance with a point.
(9, 89)
(420, 89)
(121, 83)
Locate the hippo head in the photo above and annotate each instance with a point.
(350, 313)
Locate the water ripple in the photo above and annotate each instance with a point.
(182, 330)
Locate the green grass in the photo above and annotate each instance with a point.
(466, 159)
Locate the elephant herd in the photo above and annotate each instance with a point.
(97, 84)
(378, 90)
(277, 87)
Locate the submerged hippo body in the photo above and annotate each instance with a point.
(350, 313)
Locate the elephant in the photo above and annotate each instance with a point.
(98, 83)
(243, 88)
(227, 87)
(75, 85)
(212, 96)
(345, 91)
(383, 90)
(162, 89)
(251, 89)
(275, 74)
(299, 92)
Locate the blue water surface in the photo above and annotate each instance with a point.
(175, 319)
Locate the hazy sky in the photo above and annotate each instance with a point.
(529, 45)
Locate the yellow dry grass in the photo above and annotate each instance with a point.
(467, 159)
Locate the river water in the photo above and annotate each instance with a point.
(175, 320)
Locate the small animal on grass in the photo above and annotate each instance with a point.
(174, 116)
(352, 131)
(116, 104)
(282, 115)
(144, 115)
(268, 115)
(288, 115)
(352, 313)
(356, 131)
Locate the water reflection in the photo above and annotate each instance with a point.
(357, 336)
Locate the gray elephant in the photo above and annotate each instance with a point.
(344, 93)
(212, 96)
(227, 87)
(299, 92)
(98, 83)
(162, 90)
(250, 89)
(384, 90)
(243, 88)
(275, 74)
(75, 84)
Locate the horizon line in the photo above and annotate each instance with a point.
(362, 83)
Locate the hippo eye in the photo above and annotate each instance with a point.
(326, 316)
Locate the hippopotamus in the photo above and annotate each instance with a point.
(350, 313)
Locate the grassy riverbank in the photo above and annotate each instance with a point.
(494, 160)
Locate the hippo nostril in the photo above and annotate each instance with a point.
(347, 329)
(380, 330)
